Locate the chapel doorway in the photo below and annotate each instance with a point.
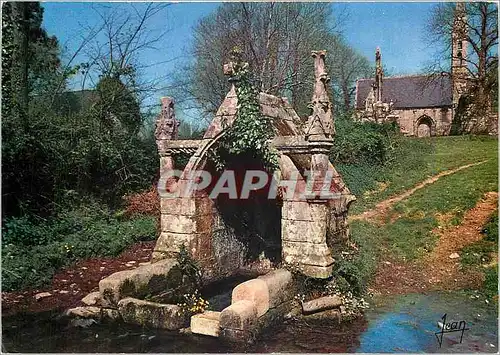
(424, 126)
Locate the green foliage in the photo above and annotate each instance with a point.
(32, 251)
(115, 102)
(251, 131)
(356, 261)
(415, 160)
(57, 144)
(455, 193)
(189, 268)
(362, 142)
(367, 154)
(481, 253)
(30, 57)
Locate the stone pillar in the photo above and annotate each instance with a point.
(305, 222)
(303, 231)
(304, 225)
(186, 219)
(167, 128)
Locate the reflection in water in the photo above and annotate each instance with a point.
(395, 324)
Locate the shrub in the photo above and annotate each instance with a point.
(358, 142)
(356, 261)
(33, 252)
(145, 203)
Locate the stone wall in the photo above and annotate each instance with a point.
(409, 119)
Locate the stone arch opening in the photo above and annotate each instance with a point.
(246, 229)
(425, 126)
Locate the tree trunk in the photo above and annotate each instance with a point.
(20, 12)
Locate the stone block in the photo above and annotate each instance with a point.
(321, 304)
(320, 272)
(304, 231)
(84, 312)
(306, 253)
(198, 244)
(280, 285)
(171, 242)
(139, 282)
(237, 335)
(288, 169)
(320, 162)
(329, 315)
(304, 211)
(186, 224)
(150, 314)
(186, 206)
(241, 315)
(92, 299)
(256, 291)
(111, 314)
(206, 323)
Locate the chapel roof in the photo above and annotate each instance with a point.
(412, 91)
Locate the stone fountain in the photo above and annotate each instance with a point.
(308, 225)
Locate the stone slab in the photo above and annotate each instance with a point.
(186, 224)
(280, 285)
(304, 211)
(137, 282)
(206, 323)
(92, 299)
(304, 231)
(306, 253)
(186, 206)
(241, 315)
(151, 314)
(84, 312)
(256, 291)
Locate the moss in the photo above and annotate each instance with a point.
(127, 288)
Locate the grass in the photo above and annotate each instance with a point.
(453, 194)
(480, 253)
(417, 160)
(490, 287)
(409, 236)
(477, 253)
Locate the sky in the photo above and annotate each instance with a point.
(397, 28)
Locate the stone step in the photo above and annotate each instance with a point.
(206, 323)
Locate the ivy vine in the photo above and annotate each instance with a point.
(251, 131)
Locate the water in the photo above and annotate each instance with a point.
(409, 323)
(394, 324)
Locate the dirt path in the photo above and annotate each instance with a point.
(382, 208)
(437, 271)
(70, 285)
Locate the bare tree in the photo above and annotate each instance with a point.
(124, 32)
(275, 38)
(481, 34)
(347, 66)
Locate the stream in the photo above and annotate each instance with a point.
(404, 323)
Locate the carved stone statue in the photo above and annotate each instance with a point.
(167, 127)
